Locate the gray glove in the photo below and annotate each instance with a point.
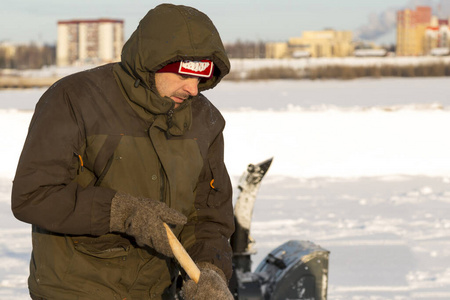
(211, 285)
(143, 219)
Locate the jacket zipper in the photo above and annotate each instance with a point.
(80, 159)
(169, 123)
(105, 170)
(170, 119)
(163, 183)
(161, 169)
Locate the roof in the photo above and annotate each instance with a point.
(103, 20)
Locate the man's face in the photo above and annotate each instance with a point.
(175, 86)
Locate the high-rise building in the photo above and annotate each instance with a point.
(437, 37)
(89, 41)
(411, 27)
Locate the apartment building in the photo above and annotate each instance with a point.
(437, 37)
(89, 41)
(411, 27)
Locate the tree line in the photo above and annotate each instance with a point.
(343, 72)
(33, 56)
(30, 56)
(246, 49)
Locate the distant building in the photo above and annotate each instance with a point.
(277, 50)
(7, 54)
(370, 52)
(411, 27)
(369, 49)
(325, 43)
(89, 41)
(437, 37)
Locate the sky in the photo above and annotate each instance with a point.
(26, 21)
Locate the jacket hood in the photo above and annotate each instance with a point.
(170, 33)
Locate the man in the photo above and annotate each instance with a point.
(114, 152)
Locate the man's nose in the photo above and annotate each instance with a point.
(192, 86)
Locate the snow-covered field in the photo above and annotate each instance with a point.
(361, 168)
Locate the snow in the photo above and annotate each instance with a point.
(361, 168)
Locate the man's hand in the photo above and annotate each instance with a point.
(211, 285)
(143, 219)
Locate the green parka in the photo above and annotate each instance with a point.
(106, 130)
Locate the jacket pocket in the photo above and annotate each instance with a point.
(95, 268)
(85, 178)
(105, 246)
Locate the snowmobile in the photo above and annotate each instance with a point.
(294, 270)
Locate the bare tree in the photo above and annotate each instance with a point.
(246, 49)
(30, 56)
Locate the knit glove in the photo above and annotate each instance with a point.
(143, 218)
(211, 285)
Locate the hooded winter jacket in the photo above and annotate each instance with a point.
(106, 130)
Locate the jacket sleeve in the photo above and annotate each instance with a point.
(45, 191)
(214, 222)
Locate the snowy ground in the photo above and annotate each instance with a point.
(361, 168)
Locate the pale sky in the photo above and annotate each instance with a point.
(23, 21)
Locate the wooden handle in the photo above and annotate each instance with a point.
(182, 256)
